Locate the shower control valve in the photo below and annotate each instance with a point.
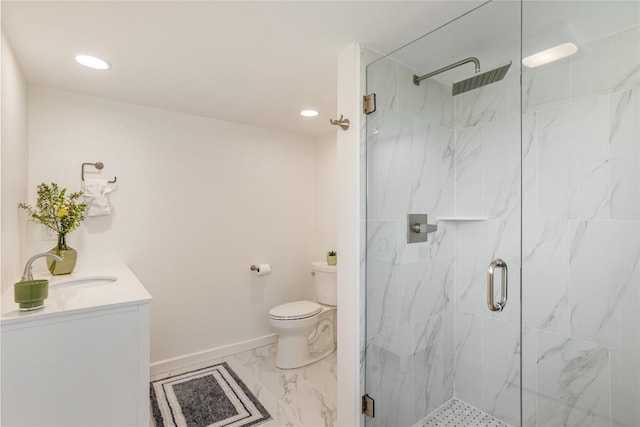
(418, 228)
(424, 228)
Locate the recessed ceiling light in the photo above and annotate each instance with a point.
(308, 113)
(549, 55)
(92, 62)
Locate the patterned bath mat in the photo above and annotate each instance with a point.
(208, 397)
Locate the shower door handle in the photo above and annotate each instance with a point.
(499, 305)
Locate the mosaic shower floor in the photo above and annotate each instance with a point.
(456, 413)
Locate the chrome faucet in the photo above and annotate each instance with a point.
(28, 275)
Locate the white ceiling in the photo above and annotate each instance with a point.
(493, 33)
(257, 63)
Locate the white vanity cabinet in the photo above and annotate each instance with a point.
(81, 361)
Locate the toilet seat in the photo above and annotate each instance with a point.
(295, 310)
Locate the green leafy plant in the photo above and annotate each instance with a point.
(332, 253)
(56, 209)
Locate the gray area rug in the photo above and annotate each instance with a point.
(210, 397)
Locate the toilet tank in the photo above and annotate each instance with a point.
(325, 281)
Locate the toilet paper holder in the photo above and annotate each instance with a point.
(261, 269)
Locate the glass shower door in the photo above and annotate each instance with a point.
(434, 348)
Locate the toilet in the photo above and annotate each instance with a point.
(307, 330)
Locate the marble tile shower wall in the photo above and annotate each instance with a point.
(409, 293)
(487, 185)
(581, 237)
(429, 334)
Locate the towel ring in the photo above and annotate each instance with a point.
(99, 166)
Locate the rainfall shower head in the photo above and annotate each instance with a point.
(481, 79)
(478, 80)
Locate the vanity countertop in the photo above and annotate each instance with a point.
(74, 298)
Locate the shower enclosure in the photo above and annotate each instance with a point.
(503, 220)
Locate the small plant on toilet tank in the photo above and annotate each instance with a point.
(332, 258)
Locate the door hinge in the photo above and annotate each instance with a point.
(369, 103)
(368, 405)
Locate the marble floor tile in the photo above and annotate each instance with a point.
(312, 408)
(303, 397)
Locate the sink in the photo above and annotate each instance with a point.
(84, 281)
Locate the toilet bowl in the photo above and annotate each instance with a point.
(307, 330)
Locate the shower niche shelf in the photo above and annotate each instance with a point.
(462, 218)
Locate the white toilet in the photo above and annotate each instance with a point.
(307, 330)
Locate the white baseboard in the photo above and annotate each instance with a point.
(180, 362)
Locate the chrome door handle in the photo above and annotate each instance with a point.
(493, 305)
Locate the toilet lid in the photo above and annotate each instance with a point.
(295, 310)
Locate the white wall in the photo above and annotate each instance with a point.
(14, 164)
(348, 243)
(325, 192)
(199, 200)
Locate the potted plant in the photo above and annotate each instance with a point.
(332, 258)
(62, 213)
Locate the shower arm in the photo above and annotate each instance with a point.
(417, 80)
